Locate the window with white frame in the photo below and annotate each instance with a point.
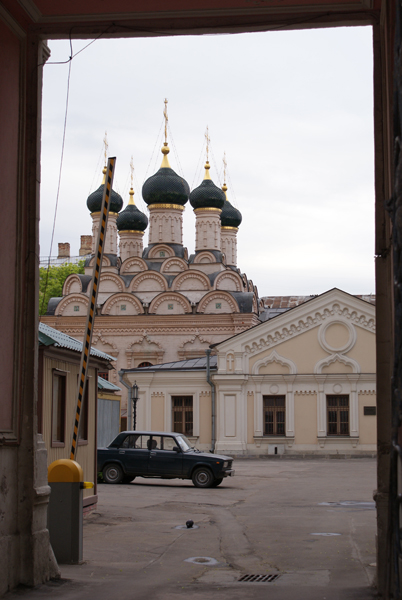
(338, 414)
(274, 411)
(59, 408)
(182, 417)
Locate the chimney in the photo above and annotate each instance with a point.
(64, 250)
(86, 245)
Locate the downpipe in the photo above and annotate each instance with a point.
(213, 401)
(129, 401)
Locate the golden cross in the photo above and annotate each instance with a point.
(225, 164)
(207, 139)
(132, 171)
(106, 146)
(166, 118)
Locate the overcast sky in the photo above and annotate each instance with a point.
(293, 111)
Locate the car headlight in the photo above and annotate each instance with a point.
(225, 464)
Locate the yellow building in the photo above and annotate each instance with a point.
(59, 369)
(303, 382)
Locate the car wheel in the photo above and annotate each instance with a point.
(202, 478)
(112, 474)
(128, 478)
(217, 482)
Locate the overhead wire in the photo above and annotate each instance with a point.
(59, 179)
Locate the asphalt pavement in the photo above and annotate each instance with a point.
(305, 529)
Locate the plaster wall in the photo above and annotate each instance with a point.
(165, 224)
(205, 418)
(368, 423)
(207, 229)
(306, 419)
(229, 245)
(157, 412)
(364, 351)
(86, 451)
(10, 58)
(295, 350)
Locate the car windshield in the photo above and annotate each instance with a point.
(183, 443)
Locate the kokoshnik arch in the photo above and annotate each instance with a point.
(25, 25)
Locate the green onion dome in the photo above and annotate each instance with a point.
(165, 187)
(207, 195)
(230, 216)
(94, 201)
(131, 219)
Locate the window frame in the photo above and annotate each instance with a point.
(83, 439)
(338, 409)
(183, 410)
(59, 407)
(275, 409)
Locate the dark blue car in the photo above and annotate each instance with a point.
(161, 454)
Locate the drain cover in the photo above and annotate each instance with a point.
(258, 578)
(325, 534)
(350, 504)
(202, 560)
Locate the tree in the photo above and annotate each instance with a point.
(51, 281)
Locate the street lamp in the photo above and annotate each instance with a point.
(134, 395)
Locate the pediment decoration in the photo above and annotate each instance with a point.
(194, 347)
(133, 265)
(149, 281)
(341, 347)
(208, 304)
(228, 281)
(144, 349)
(109, 282)
(174, 265)
(145, 342)
(123, 304)
(204, 258)
(299, 325)
(156, 251)
(72, 285)
(105, 261)
(173, 299)
(325, 362)
(69, 304)
(98, 337)
(274, 357)
(191, 280)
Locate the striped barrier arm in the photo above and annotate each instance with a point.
(86, 347)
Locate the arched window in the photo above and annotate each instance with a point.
(144, 364)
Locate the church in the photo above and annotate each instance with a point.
(159, 304)
(237, 374)
(282, 376)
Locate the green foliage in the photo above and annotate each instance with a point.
(51, 282)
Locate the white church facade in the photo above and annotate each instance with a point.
(303, 382)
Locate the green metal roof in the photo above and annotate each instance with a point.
(107, 386)
(51, 337)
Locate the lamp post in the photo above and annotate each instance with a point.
(134, 396)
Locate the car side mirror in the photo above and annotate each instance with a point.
(176, 449)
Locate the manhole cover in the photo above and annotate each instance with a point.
(202, 560)
(258, 578)
(325, 534)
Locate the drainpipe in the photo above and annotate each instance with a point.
(213, 401)
(129, 401)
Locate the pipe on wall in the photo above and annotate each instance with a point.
(213, 401)
(129, 401)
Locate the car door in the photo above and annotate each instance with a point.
(134, 454)
(163, 460)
